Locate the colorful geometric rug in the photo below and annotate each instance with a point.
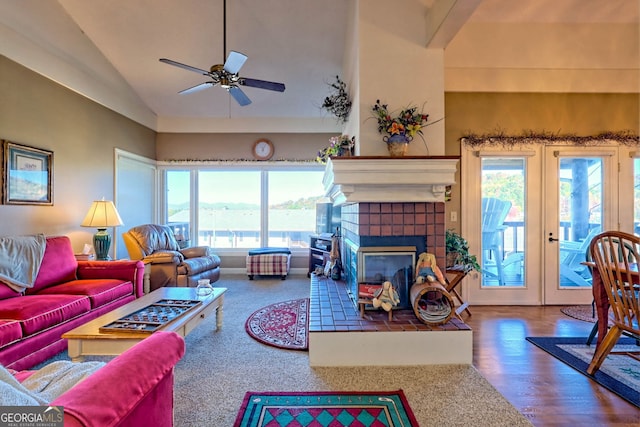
(618, 373)
(324, 409)
(282, 325)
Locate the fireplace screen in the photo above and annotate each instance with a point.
(394, 264)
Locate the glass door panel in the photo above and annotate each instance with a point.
(580, 209)
(578, 186)
(503, 221)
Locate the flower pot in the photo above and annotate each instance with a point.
(397, 149)
(397, 144)
(452, 257)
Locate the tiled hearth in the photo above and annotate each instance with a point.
(338, 336)
(331, 310)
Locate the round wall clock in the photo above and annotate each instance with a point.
(263, 149)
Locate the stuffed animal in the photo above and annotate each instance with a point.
(386, 297)
(427, 269)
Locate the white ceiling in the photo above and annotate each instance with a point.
(99, 46)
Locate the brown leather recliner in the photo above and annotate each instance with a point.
(170, 265)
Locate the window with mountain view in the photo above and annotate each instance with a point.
(246, 208)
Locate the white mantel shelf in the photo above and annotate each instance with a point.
(389, 179)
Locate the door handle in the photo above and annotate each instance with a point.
(551, 239)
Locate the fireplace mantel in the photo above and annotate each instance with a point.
(389, 179)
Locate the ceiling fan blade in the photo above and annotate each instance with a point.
(262, 84)
(197, 88)
(234, 62)
(239, 96)
(184, 66)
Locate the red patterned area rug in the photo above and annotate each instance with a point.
(282, 325)
(336, 409)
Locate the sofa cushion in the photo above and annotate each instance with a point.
(7, 292)
(99, 291)
(59, 264)
(39, 312)
(10, 331)
(154, 237)
(191, 266)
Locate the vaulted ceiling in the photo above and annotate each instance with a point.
(110, 50)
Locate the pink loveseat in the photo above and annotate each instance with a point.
(144, 399)
(66, 293)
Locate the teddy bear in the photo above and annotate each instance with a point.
(386, 297)
(427, 269)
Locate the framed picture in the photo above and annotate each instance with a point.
(28, 175)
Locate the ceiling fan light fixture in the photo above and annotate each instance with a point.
(227, 75)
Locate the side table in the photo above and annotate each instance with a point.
(454, 276)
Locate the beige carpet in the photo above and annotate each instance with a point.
(219, 367)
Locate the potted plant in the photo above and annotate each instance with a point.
(339, 146)
(457, 249)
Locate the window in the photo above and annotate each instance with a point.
(246, 207)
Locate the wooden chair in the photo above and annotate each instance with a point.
(572, 258)
(494, 212)
(616, 256)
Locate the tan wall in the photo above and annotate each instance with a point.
(512, 113)
(82, 135)
(227, 146)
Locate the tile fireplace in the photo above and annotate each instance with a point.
(381, 241)
(392, 209)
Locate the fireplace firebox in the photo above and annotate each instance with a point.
(374, 265)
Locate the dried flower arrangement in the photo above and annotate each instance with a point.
(338, 102)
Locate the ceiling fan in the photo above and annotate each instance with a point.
(226, 75)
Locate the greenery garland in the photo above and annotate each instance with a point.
(234, 161)
(627, 138)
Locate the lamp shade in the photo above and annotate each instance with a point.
(102, 214)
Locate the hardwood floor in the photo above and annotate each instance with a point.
(545, 390)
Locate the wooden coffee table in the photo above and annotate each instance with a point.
(87, 340)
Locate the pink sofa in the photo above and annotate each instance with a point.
(144, 399)
(66, 294)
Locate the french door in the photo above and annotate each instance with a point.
(581, 201)
(529, 214)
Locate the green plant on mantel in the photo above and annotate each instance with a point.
(457, 249)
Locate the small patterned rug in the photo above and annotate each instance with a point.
(322, 409)
(618, 373)
(580, 312)
(282, 325)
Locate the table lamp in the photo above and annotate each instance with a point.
(102, 214)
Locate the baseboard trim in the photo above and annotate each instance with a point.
(242, 270)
